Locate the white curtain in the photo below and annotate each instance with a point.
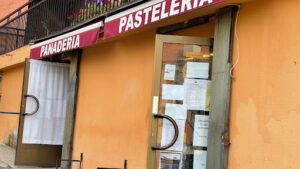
(49, 82)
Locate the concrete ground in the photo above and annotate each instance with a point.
(7, 157)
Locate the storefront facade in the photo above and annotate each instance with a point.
(117, 77)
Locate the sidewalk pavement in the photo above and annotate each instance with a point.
(7, 158)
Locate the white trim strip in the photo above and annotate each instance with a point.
(132, 10)
(84, 29)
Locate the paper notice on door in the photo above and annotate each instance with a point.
(207, 104)
(199, 159)
(195, 94)
(197, 70)
(168, 133)
(170, 160)
(176, 111)
(200, 130)
(172, 92)
(169, 72)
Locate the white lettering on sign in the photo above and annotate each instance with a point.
(155, 11)
(138, 17)
(60, 46)
(159, 11)
(202, 2)
(129, 23)
(122, 23)
(186, 5)
(164, 14)
(77, 42)
(174, 4)
(76, 39)
(146, 12)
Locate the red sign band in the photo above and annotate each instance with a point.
(150, 12)
(76, 39)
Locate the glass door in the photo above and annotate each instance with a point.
(40, 135)
(181, 102)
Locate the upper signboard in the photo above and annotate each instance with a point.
(150, 12)
(76, 39)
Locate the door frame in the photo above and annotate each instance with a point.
(218, 134)
(71, 107)
(154, 125)
(71, 110)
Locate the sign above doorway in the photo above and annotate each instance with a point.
(76, 39)
(150, 12)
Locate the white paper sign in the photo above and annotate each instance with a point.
(195, 94)
(200, 130)
(168, 133)
(199, 159)
(169, 72)
(176, 111)
(170, 160)
(197, 70)
(170, 155)
(172, 92)
(208, 92)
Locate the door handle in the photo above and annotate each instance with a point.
(26, 114)
(162, 116)
(37, 105)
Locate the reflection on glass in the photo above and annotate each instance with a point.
(185, 96)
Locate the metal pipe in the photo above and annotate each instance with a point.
(4, 112)
(125, 164)
(60, 160)
(26, 114)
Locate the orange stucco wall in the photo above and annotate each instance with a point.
(11, 99)
(114, 102)
(265, 107)
(11, 68)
